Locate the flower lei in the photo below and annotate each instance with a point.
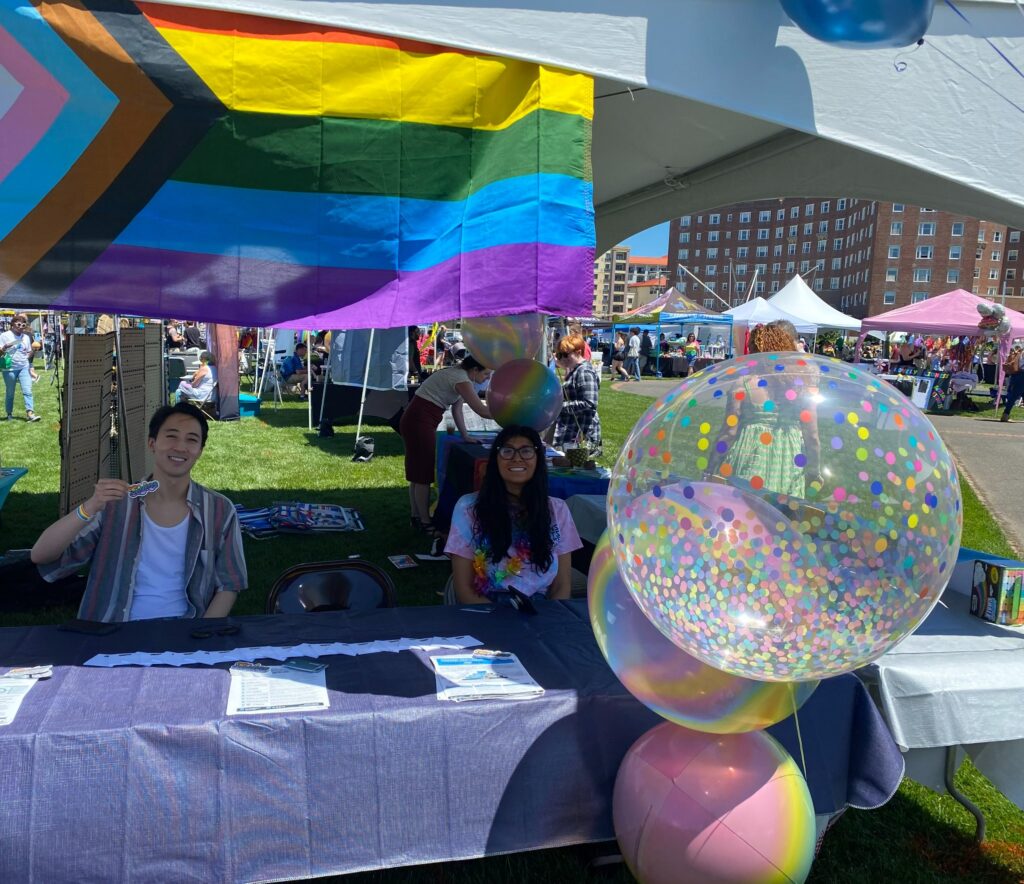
(490, 577)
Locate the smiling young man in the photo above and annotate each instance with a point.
(176, 552)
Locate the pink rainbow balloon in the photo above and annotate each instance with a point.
(524, 393)
(668, 680)
(713, 809)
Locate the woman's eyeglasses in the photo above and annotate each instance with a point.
(507, 452)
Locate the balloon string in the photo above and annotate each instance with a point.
(796, 721)
(997, 50)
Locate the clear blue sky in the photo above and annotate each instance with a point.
(651, 242)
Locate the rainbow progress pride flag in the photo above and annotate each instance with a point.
(170, 161)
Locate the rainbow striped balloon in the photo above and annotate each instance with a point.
(180, 161)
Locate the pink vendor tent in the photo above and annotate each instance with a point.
(954, 313)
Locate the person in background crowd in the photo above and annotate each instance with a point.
(801, 345)
(646, 351)
(440, 345)
(177, 552)
(173, 339)
(414, 352)
(293, 368)
(619, 357)
(633, 355)
(16, 355)
(201, 383)
(512, 533)
(1014, 383)
(578, 424)
(446, 388)
(193, 337)
(577, 329)
(247, 339)
(594, 341)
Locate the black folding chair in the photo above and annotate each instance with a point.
(349, 585)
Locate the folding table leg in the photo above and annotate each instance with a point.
(960, 798)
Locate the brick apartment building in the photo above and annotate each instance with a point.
(863, 257)
(615, 276)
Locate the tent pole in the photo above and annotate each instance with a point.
(366, 380)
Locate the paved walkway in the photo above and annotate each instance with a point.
(990, 455)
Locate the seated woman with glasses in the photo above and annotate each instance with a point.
(511, 534)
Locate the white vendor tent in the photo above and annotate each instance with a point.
(758, 310)
(798, 299)
(784, 115)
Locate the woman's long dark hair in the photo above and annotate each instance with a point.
(492, 512)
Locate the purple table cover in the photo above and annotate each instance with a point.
(137, 774)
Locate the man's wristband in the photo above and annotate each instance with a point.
(82, 514)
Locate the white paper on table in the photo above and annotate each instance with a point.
(462, 677)
(12, 692)
(277, 689)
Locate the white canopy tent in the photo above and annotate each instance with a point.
(798, 299)
(783, 115)
(758, 310)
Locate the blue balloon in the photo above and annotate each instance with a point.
(862, 24)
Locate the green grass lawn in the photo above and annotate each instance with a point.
(918, 837)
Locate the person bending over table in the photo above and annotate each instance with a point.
(449, 387)
(511, 533)
(176, 552)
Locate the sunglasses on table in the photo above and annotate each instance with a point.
(507, 452)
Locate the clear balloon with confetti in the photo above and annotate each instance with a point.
(785, 517)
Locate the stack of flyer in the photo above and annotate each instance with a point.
(483, 675)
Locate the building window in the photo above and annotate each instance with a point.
(794, 211)
(710, 269)
(780, 232)
(918, 297)
(808, 230)
(823, 227)
(709, 302)
(684, 254)
(892, 274)
(977, 273)
(841, 204)
(926, 228)
(1014, 236)
(993, 273)
(837, 243)
(684, 237)
(837, 263)
(761, 251)
(774, 286)
(700, 236)
(791, 248)
(712, 236)
(744, 234)
(762, 233)
(780, 215)
(997, 236)
(894, 252)
(924, 253)
(996, 255)
(712, 253)
(958, 228)
(833, 282)
(759, 287)
(1011, 255)
(1011, 273)
(805, 248)
(979, 253)
(1008, 291)
(955, 252)
(777, 251)
(922, 274)
(991, 291)
(809, 209)
(840, 224)
(744, 217)
(764, 216)
(825, 206)
(889, 298)
(952, 276)
(741, 270)
(897, 207)
(714, 220)
(685, 221)
(805, 266)
(822, 245)
(818, 283)
(776, 269)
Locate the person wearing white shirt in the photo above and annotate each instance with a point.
(16, 357)
(633, 355)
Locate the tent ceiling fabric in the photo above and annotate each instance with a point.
(739, 104)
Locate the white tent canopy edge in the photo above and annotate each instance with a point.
(786, 116)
